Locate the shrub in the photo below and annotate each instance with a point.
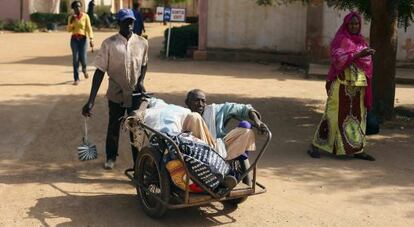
(24, 26)
(44, 19)
(181, 38)
(1, 25)
(9, 25)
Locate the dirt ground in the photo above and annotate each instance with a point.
(43, 184)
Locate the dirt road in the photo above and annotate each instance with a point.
(43, 184)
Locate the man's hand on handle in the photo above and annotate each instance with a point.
(261, 127)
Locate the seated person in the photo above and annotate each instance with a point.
(169, 119)
(233, 144)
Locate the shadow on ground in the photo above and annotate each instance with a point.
(122, 210)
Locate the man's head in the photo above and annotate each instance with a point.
(76, 6)
(135, 5)
(126, 20)
(196, 101)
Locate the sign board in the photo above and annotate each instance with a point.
(170, 14)
(159, 15)
(167, 14)
(178, 15)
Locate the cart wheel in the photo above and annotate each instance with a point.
(244, 165)
(154, 178)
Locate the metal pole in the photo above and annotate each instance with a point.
(167, 54)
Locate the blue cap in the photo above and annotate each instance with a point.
(124, 14)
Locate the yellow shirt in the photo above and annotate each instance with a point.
(81, 26)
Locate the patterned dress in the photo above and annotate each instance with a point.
(342, 128)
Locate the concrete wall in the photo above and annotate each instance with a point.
(10, 9)
(405, 51)
(50, 6)
(242, 24)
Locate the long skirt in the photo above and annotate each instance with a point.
(342, 128)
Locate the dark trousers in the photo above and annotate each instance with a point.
(79, 47)
(116, 112)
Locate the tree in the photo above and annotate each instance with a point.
(385, 16)
(21, 10)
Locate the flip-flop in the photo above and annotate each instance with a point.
(364, 156)
(313, 153)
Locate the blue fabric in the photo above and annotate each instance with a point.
(245, 124)
(139, 22)
(203, 162)
(226, 111)
(78, 47)
(166, 118)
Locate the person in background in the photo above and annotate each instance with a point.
(90, 11)
(139, 21)
(79, 25)
(124, 57)
(341, 130)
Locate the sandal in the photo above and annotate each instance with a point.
(364, 156)
(314, 153)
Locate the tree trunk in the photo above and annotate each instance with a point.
(383, 38)
(21, 10)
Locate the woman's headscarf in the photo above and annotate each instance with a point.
(344, 47)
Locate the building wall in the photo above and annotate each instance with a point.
(50, 6)
(242, 24)
(10, 9)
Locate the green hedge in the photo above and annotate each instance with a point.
(181, 38)
(44, 19)
(21, 26)
(1, 25)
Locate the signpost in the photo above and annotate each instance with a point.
(169, 15)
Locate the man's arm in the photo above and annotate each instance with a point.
(141, 79)
(96, 83)
(242, 112)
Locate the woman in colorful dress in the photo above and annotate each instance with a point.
(80, 26)
(342, 128)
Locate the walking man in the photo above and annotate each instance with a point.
(123, 57)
